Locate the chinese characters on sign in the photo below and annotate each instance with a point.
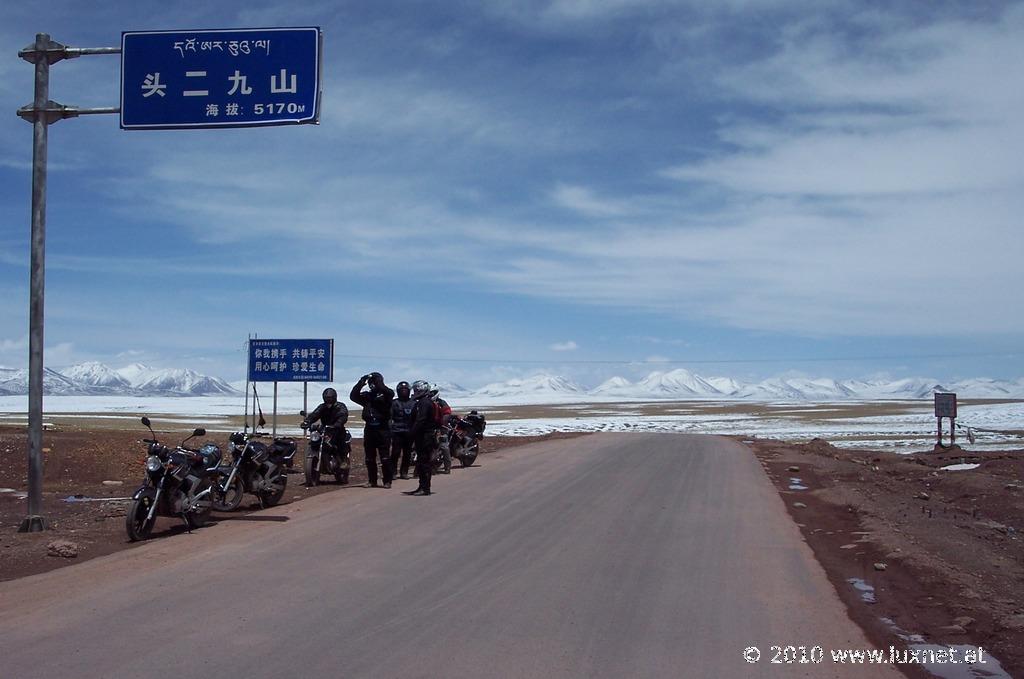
(277, 360)
(223, 78)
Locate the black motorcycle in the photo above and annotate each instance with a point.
(255, 468)
(178, 483)
(464, 436)
(460, 439)
(323, 455)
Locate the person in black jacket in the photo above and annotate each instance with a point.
(401, 430)
(424, 425)
(333, 415)
(376, 404)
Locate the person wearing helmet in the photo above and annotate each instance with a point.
(401, 430)
(332, 414)
(376, 402)
(423, 427)
(442, 412)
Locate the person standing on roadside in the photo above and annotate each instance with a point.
(376, 402)
(442, 414)
(400, 426)
(424, 425)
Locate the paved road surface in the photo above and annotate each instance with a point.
(622, 555)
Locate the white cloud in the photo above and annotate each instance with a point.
(434, 117)
(10, 345)
(564, 346)
(14, 352)
(584, 201)
(919, 109)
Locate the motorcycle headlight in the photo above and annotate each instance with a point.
(153, 464)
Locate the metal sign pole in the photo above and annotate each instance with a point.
(245, 426)
(34, 521)
(42, 113)
(305, 398)
(273, 427)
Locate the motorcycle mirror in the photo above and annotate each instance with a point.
(302, 412)
(145, 421)
(199, 432)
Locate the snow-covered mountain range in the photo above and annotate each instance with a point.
(97, 379)
(681, 384)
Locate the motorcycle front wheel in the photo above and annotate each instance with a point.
(469, 454)
(269, 498)
(227, 500)
(201, 516)
(136, 522)
(341, 472)
(312, 473)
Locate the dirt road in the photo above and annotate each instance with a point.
(607, 555)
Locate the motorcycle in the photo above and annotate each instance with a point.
(178, 483)
(255, 468)
(323, 456)
(464, 439)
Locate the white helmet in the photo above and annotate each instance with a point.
(434, 389)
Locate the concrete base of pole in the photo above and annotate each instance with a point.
(33, 524)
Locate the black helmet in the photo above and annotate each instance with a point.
(330, 396)
(420, 388)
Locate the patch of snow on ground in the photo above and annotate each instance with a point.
(960, 467)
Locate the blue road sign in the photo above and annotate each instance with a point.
(220, 78)
(291, 360)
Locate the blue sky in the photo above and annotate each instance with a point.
(745, 188)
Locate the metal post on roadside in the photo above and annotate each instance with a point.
(273, 426)
(245, 422)
(945, 406)
(42, 113)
